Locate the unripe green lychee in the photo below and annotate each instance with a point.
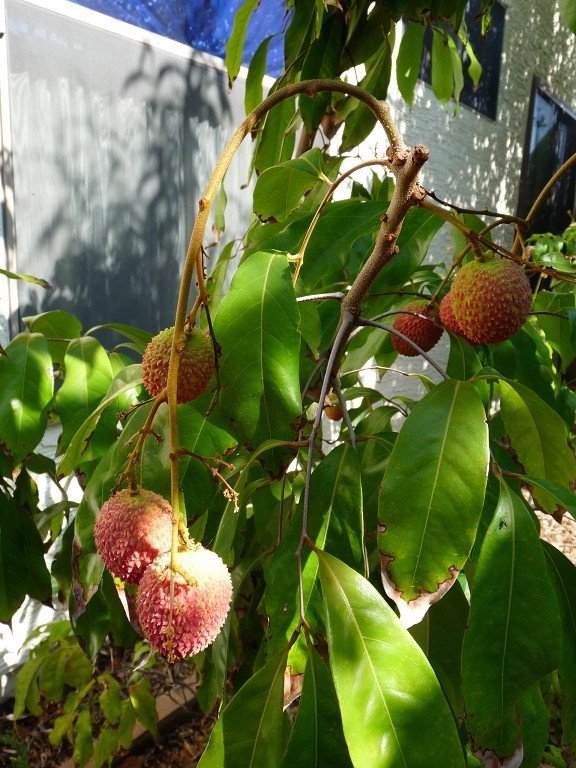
(199, 608)
(425, 333)
(195, 369)
(131, 530)
(449, 321)
(491, 299)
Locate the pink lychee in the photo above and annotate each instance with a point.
(131, 530)
(200, 604)
(426, 333)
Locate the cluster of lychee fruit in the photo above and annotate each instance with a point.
(488, 302)
(195, 368)
(180, 610)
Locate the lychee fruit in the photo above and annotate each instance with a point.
(491, 299)
(449, 321)
(425, 333)
(201, 602)
(194, 371)
(131, 530)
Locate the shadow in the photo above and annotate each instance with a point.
(118, 140)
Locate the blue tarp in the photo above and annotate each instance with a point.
(203, 24)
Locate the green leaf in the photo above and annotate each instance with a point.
(442, 73)
(249, 731)
(27, 278)
(539, 437)
(507, 648)
(382, 675)
(276, 140)
(322, 61)
(568, 14)
(334, 523)
(23, 570)
(110, 699)
(139, 337)
(144, 704)
(58, 327)
(123, 385)
(87, 377)
(256, 72)
(563, 575)
(235, 44)
(256, 326)
(83, 744)
(26, 385)
(279, 189)
(557, 327)
(432, 495)
(408, 61)
(51, 679)
(317, 739)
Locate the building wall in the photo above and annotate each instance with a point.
(475, 161)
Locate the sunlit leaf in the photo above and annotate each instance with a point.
(539, 437)
(383, 681)
(235, 44)
(428, 531)
(26, 385)
(256, 326)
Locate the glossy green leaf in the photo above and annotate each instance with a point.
(58, 327)
(408, 61)
(26, 385)
(442, 77)
(88, 375)
(557, 327)
(249, 732)
(22, 567)
(253, 94)
(334, 523)
(564, 498)
(392, 706)
(432, 495)
(257, 328)
(563, 575)
(110, 699)
(235, 44)
(139, 337)
(317, 739)
(122, 386)
(514, 633)
(322, 61)
(276, 139)
(539, 437)
(279, 189)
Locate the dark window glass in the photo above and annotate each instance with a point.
(203, 24)
(484, 97)
(550, 140)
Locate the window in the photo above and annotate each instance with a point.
(484, 97)
(550, 140)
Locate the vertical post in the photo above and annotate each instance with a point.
(8, 288)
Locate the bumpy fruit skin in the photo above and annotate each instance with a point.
(425, 333)
(449, 321)
(195, 369)
(491, 299)
(199, 611)
(131, 530)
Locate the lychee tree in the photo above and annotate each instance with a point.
(371, 594)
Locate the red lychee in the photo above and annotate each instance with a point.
(200, 607)
(195, 369)
(491, 299)
(449, 321)
(421, 331)
(131, 530)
